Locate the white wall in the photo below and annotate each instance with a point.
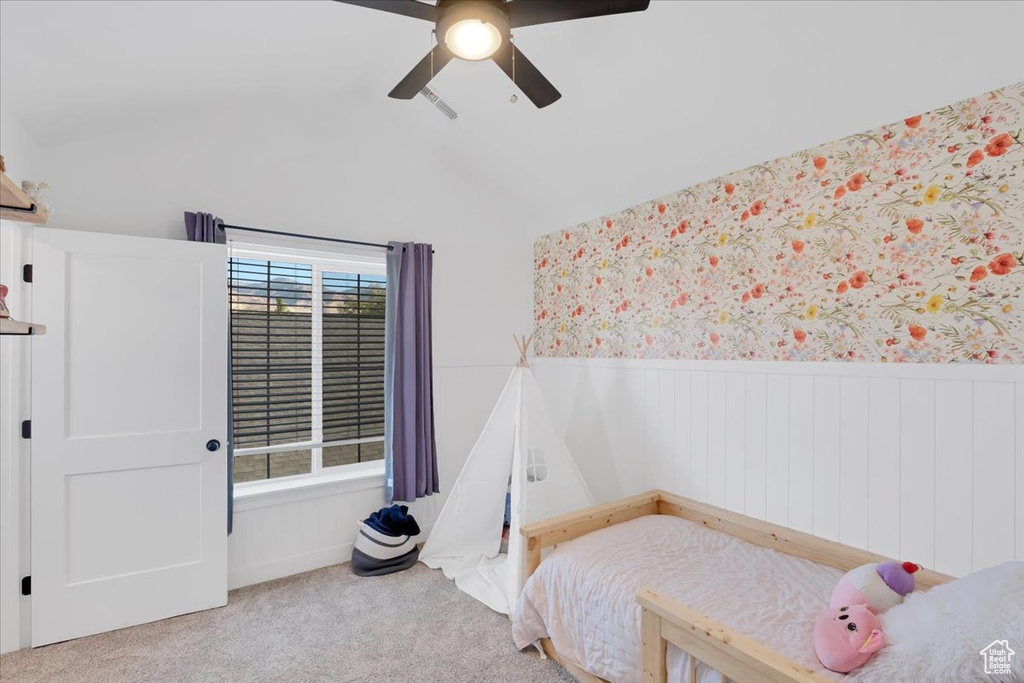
(21, 156)
(324, 152)
(14, 401)
(920, 462)
(296, 170)
(652, 101)
(265, 543)
(305, 169)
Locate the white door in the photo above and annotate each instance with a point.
(128, 386)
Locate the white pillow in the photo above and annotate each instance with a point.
(938, 635)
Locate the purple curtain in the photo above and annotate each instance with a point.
(410, 448)
(203, 227)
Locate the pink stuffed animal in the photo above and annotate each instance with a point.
(879, 586)
(846, 637)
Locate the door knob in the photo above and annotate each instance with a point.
(212, 445)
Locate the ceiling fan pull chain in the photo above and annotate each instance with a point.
(433, 36)
(512, 39)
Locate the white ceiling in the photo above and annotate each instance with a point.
(652, 102)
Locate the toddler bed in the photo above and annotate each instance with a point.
(716, 595)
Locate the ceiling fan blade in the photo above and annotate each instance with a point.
(408, 8)
(524, 74)
(533, 12)
(410, 86)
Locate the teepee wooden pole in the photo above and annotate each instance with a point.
(522, 345)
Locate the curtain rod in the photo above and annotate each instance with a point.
(223, 226)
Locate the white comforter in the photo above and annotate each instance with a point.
(583, 594)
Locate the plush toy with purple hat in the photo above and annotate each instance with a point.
(879, 586)
(849, 632)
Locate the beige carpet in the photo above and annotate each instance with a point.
(325, 625)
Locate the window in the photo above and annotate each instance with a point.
(307, 361)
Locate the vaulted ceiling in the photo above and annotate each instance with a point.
(652, 102)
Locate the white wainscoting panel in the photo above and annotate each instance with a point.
(777, 448)
(1019, 489)
(755, 485)
(281, 534)
(293, 536)
(854, 461)
(801, 453)
(696, 485)
(884, 465)
(918, 462)
(994, 475)
(954, 439)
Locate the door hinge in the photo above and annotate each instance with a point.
(26, 429)
(26, 272)
(26, 585)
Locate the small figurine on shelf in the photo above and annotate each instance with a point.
(35, 193)
(4, 311)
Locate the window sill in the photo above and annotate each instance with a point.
(359, 477)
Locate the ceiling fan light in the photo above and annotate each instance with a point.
(473, 39)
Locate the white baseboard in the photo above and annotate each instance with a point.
(297, 564)
(288, 566)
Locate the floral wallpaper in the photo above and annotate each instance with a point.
(901, 244)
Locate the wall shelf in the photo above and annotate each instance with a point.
(16, 205)
(14, 327)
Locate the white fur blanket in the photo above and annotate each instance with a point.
(938, 635)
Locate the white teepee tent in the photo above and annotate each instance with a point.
(518, 446)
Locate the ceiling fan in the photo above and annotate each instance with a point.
(475, 30)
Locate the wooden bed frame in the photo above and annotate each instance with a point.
(664, 620)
